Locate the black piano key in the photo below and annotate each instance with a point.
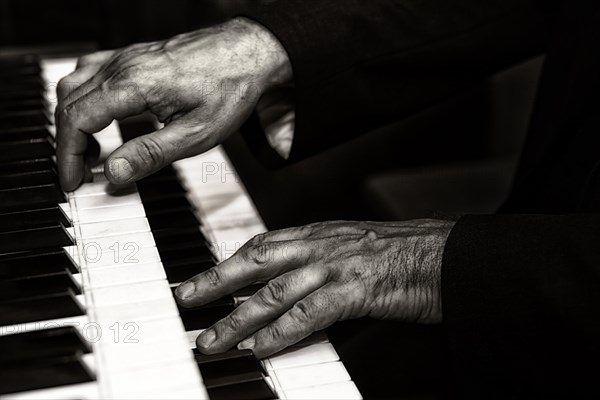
(18, 95)
(182, 272)
(26, 287)
(24, 179)
(203, 317)
(185, 239)
(35, 238)
(37, 164)
(150, 190)
(165, 174)
(44, 343)
(24, 118)
(186, 251)
(167, 171)
(44, 373)
(183, 217)
(23, 105)
(223, 367)
(26, 264)
(250, 386)
(14, 66)
(24, 82)
(29, 133)
(50, 216)
(33, 197)
(177, 201)
(173, 236)
(26, 149)
(43, 308)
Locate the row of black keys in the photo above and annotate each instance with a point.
(37, 284)
(54, 357)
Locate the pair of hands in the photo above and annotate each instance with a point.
(203, 85)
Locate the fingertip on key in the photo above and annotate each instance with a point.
(119, 170)
(185, 290)
(206, 339)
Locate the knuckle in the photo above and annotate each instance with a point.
(302, 312)
(273, 294)
(257, 252)
(213, 276)
(62, 86)
(124, 74)
(275, 332)
(258, 239)
(151, 152)
(85, 60)
(66, 114)
(232, 325)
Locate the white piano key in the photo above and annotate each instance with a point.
(138, 292)
(122, 242)
(191, 337)
(97, 258)
(143, 295)
(140, 383)
(136, 311)
(83, 391)
(334, 391)
(71, 231)
(302, 356)
(110, 142)
(112, 228)
(125, 275)
(102, 187)
(78, 322)
(66, 208)
(85, 202)
(102, 214)
(191, 392)
(311, 375)
(126, 356)
(137, 332)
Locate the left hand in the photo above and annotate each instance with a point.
(319, 274)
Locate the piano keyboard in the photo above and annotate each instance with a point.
(87, 277)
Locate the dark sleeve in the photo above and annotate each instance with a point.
(359, 65)
(521, 305)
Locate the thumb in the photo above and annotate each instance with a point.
(147, 154)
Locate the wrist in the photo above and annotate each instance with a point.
(269, 55)
(432, 257)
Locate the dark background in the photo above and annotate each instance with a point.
(110, 23)
(455, 158)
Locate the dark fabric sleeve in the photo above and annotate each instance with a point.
(359, 65)
(521, 305)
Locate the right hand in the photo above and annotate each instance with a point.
(202, 85)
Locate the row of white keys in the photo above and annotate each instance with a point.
(132, 302)
(312, 368)
(131, 317)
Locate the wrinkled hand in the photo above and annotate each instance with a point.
(319, 274)
(202, 85)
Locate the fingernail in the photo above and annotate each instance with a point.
(247, 344)
(120, 170)
(206, 338)
(185, 290)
